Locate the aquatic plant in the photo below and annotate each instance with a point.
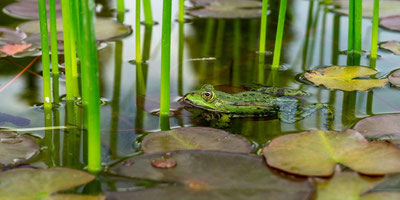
(148, 15)
(263, 27)
(375, 24)
(54, 50)
(355, 32)
(165, 58)
(137, 33)
(279, 34)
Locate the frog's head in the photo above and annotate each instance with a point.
(205, 98)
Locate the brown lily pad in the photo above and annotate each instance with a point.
(393, 46)
(24, 183)
(343, 78)
(391, 23)
(317, 152)
(226, 9)
(210, 175)
(394, 78)
(380, 126)
(195, 138)
(10, 36)
(16, 148)
(28, 9)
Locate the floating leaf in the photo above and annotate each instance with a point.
(24, 183)
(16, 149)
(317, 152)
(226, 9)
(10, 36)
(391, 23)
(195, 138)
(27, 9)
(394, 78)
(12, 49)
(393, 46)
(342, 78)
(18, 121)
(380, 126)
(386, 8)
(75, 197)
(210, 175)
(350, 185)
(106, 29)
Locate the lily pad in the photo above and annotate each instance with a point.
(106, 29)
(24, 183)
(12, 49)
(75, 197)
(393, 46)
(18, 121)
(391, 23)
(317, 152)
(209, 175)
(10, 36)
(226, 9)
(28, 9)
(16, 148)
(195, 138)
(350, 185)
(394, 78)
(380, 126)
(386, 8)
(343, 78)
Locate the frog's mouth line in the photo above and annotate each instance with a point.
(189, 103)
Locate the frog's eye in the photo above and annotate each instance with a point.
(207, 95)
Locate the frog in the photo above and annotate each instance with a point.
(282, 103)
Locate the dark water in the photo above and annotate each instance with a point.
(313, 38)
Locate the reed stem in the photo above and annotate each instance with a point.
(279, 34)
(148, 15)
(54, 50)
(165, 58)
(181, 17)
(375, 24)
(121, 6)
(45, 53)
(355, 32)
(137, 27)
(263, 28)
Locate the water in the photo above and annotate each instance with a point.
(218, 52)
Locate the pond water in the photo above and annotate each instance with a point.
(215, 51)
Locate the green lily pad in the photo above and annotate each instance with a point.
(27, 9)
(343, 78)
(386, 8)
(231, 9)
(10, 36)
(391, 23)
(393, 46)
(209, 175)
(16, 148)
(350, 185)
(394, 78)
(195, 138)
(24, 183)
(317, 152)
(106, 29)
(380, 126)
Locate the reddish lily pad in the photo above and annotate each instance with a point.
(317, 152)
(106, 29)
(386, 8)
(226, 9)
(393, 46)
(391, 23)
(394, 78)
(10, 36)
(343, 78)
(380, 126)
(16, 148)
(210, 175)
(25, 183)
(27, 9)
(195, 138)
(350, 185)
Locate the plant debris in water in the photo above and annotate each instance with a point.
(394, 78)
(380, 126)
(317, 152)
(393, 46)
(195, 138)
(226, 9)
(16, 148)
(210, 175)
(343, 78)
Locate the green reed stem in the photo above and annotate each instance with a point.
(90, 83)
(263, 27)
(375, 24)
(165, 58)
(45, 53)
(181, 17)
(355, 32)
(148, 15)
(120, 6)
(279, 34)
(54, 50)
(67, 49)
(137, 27)
(181, 46)
(350, 45)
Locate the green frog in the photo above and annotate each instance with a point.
(261, 102)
